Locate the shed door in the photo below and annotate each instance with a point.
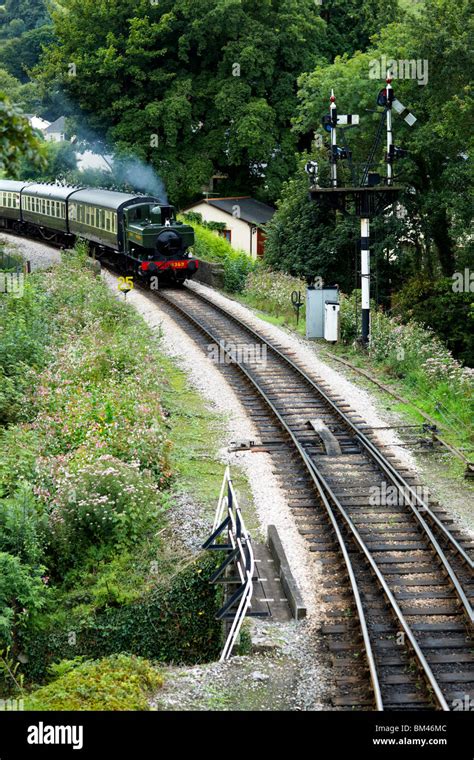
(261, 237)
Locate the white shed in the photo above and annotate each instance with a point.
(244, 220)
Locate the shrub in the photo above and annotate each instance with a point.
(175, 623)
(433, 303)
(236, 269)
(23, 526)
(19, 451)
(113, 683)
(100, 503)
(271, 291)
(211, 247)
(21, 596)
(24, 335)
(349, 315)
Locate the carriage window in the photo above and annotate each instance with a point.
(107, 221)
(47, 207)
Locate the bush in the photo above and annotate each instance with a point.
(175, 623)
(236, 269)
(24, 335)
(113, 683)
(21, 596)
(433, 303)
(23, 526)
(211, 247)
(416, 355)
(19, 451)
(105, 503)
(271, 291)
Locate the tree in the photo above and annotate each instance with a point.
(30, 14)
(153, 80)
(351, 23)
(59, 161)
(17, 139)
(440, 142)
(20, 54)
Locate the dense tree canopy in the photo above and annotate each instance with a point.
(439, 144)
(18, 16)
(17, 140)
(196, 87)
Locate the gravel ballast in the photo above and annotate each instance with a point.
(40, 255)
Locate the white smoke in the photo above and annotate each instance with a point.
(141, 176)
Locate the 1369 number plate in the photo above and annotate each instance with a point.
(179, 264)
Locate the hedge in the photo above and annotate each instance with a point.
(173, 624)
(209, 246)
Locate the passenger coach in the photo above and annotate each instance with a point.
(137, 232)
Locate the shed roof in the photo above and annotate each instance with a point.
(250, 210)
(57, 126)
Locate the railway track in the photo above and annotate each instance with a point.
(398, 577)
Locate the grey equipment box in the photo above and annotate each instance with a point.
(316, 299)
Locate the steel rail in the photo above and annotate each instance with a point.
(324, 490)
(378, 457)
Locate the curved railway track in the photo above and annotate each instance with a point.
(398, 580)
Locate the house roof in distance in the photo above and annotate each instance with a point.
(251, 211)
(57, 126)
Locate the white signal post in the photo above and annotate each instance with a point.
(389, 91)
(333, 113)
(365, 276)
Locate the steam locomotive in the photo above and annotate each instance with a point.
(136, 232)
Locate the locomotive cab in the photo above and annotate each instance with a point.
(157, 242)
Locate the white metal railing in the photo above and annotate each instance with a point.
(228, 522)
